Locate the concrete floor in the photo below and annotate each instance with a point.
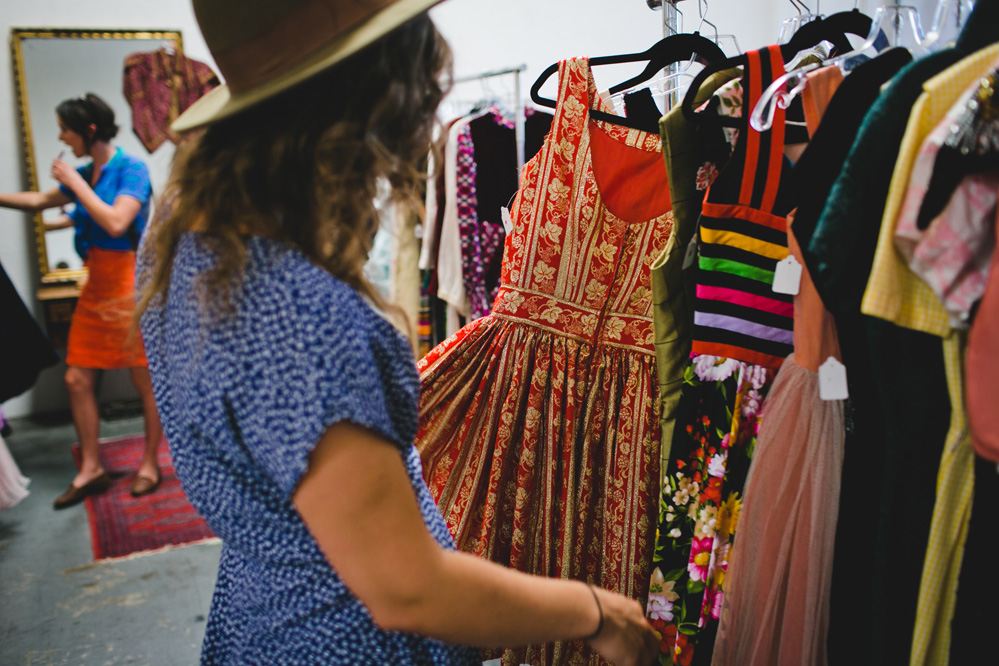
(58, 607)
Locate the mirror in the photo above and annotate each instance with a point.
(51, 66)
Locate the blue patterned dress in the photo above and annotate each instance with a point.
(243, 401)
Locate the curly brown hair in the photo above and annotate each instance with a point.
(304, 167)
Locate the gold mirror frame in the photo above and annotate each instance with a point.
(17, 39)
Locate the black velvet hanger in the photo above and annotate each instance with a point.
(833, 29)
(669, 50)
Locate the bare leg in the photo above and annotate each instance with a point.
(83, 404)
(149, 468)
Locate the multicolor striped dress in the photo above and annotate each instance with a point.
(742, 332)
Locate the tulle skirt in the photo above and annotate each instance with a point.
(776, 610)
(13, 486)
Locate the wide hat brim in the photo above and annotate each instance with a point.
(221, 102)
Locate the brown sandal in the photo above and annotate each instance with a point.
(143, 485)
(75, 495)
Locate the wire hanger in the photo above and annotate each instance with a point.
(702, 13)
(791, 25)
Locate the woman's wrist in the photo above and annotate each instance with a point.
(600, 614)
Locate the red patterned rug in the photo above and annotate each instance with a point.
(121, 525)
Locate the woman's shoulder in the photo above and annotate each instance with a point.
(129, 162)
(283, 293)
(281, 269)
(284, 288)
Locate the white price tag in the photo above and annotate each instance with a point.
(832, 380)
(507, 220)
(691, 254)
(787, 277)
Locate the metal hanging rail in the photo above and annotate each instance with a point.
(518, 120)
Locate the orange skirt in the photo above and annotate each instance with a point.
(101, 333)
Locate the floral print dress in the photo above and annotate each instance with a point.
(719, 413)
(702, 497)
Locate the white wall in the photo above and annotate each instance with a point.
(484, 35)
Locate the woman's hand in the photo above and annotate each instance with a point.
(67, 175)
(627, 638)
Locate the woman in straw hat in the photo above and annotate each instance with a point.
(288, 397)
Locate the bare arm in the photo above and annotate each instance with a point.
(113, 218)
(357, 501)
(61, 222)
(34, 201)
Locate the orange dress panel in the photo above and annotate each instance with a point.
(101, 333)
(539, 424)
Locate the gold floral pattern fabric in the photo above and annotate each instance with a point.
(539, 424)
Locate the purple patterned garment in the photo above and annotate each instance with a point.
(472, 269)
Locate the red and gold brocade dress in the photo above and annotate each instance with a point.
(539, 423)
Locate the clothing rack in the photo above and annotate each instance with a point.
(670, 18)
(518, 120)
(671, 26)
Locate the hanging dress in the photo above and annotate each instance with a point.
(776, 607)
(13, 484)
(539, 423)
(742, 332)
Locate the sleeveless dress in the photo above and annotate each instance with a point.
(776, 608)
(539, 424)
(742, 332)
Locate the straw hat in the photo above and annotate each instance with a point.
(263, 47)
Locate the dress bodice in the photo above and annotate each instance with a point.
(592, 214)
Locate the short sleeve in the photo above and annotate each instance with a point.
(135, 182)
(313, 365)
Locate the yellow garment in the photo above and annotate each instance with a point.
(893, 291)
(949, 527)
(898, 295)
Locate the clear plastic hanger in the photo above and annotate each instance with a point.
(943, 29)
(902, 27)
(895, 24)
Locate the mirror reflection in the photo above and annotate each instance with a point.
(144, 79)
